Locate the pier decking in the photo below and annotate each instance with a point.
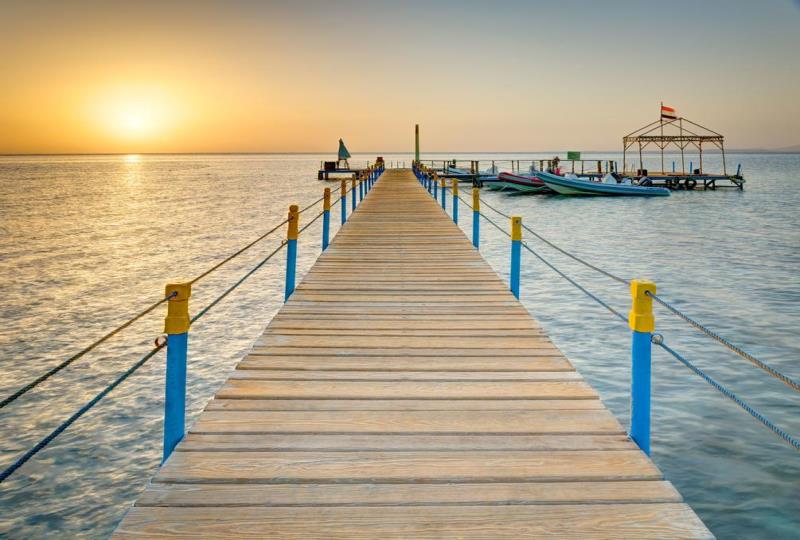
(403, 392)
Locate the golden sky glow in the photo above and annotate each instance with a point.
(297, 75)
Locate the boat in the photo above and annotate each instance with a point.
(572, 185)
(521, 184)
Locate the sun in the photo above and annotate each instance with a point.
(132, 113)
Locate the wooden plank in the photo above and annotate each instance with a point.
(400, 404)
(409, 363)
(398, 376)
(237, 389)
(581, 522)
(496, 421)
(226, 495)
(279, 442)
(406, 467)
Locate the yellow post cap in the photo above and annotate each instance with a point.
(326, 199)
(343, 190)
(640, 318)
(516, 228)
(177, 320)
(294, 222)
(455, 186)
(476, 199)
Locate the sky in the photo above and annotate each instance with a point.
(295, 75)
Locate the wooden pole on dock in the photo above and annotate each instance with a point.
(516, 254)
(326, 218)
(292, 232)
(416, 143)
(476, 217)
(176, 326)
(642, 323)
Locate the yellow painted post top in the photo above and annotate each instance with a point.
(294, 223)
(476, 199)
(343, 189)
(353, 183)
(326, 199)
(516, 228)
(177, 320)
(640, 318)
(442, 182)
(455, 187)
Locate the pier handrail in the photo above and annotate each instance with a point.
(44, 442)
(775, 373)
(658, 339)
(55, 369)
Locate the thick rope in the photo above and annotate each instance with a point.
(36, 382)
(130, 371)
(785, 379)
(561, 250)
(730, 395)
(71, 420)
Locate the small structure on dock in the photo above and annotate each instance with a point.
(671, 130)
(344, 155)
(341, 165)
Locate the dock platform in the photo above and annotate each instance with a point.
(403, 392)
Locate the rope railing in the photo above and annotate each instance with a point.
(656, 339)
(730, 395)
(775, 373)
(49, 373)
(127, 373)
(52, 371)
(785, 379)
(173, 296)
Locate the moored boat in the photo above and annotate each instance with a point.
(609, 187)
(521, 184)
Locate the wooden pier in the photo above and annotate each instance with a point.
(403, 392)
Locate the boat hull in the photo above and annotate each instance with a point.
(522, 184)
(569, 186)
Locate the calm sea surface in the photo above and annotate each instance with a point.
(86, 241)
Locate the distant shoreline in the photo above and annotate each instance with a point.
(369, 153)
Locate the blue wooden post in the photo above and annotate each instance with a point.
(455, 201)
(343, 200)
(673, 167)
(691, 168)
(353, 195)
(642, 322)
(435, 187)
(176, 326)
(444, 195)
(516, 253)
(326, 218)
(476, 217)
(291, 250)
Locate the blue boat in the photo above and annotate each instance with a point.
(608, 187)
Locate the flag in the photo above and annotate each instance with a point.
(343, 153)
(668, 113)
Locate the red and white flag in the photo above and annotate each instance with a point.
(668, 112)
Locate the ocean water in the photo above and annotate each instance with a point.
(87, 241)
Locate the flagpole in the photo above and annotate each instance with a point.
(661, 144)
(683, 163)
